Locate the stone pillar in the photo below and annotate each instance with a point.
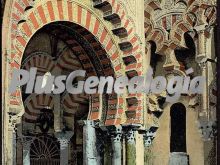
(19, 142)
(57, 113)
(139, 149)
(58, 109)
(116, 146)
(148, 139)
(12, 145)
(12, 139)
(204, 97)
(130, 147)
(89, 144)
(64, 139)
(107, 152)
(201, 59)
(26, 142)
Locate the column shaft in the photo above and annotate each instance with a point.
(116, 147)
(64, 154)
(64, 139)
(89, 144)
(116, 159)
(26, 156)
(107, 153)
(12, 139)
(26, 149)
(201, 59)
(130, 153)
(14, 144)
(130, 148)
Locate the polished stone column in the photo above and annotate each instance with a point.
(116, 146)
(130, 147)
(26, 142)
(64, 139)
(89, 144)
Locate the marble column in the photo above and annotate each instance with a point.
(64, 139)
(26, 142)
(116, 146)
(130, 147)
(89, 144)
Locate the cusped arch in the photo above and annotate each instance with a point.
(178, 31)
(158, 36)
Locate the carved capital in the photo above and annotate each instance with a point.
(63, 143)
(116, 134)
(130, 136)
(208, 129)
(148, 138)
(64, 138)
(13, 121)
(203, 65)
(26, 142)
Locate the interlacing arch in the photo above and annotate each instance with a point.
(167, 30)
(194, 10)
